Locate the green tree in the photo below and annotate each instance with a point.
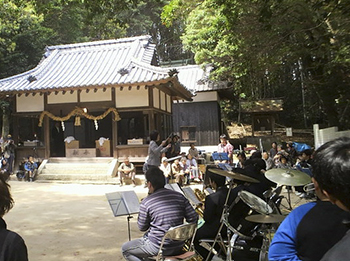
(294, 49)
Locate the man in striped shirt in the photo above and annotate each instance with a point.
(159, 211)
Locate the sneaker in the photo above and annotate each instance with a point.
(298, 193)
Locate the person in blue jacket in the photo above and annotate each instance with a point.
(310, 230)
(30, 166)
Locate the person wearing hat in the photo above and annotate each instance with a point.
(166, 168)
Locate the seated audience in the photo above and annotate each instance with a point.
(165, 167)
(127, 170)
(31, 168)
(177, 172)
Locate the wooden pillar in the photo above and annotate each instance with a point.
(272, 120)
(47, 137)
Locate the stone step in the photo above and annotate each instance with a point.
(78, 170)
(81, 160)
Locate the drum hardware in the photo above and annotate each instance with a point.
(288, 177)
(266, 219)
(234, 175)
(251, 202)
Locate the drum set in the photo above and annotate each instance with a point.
(250, 221)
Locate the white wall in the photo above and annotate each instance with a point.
(131, 98)
(163, 101)
(30, 103)
(156, 98)
(206, 96)
(169, 103)
(62, 98)
(93, 96)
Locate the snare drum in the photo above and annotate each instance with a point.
(245, 205)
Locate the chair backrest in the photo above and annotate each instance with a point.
(182, 232)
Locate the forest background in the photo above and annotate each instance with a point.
(296, 50)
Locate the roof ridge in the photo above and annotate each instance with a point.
(97, 43)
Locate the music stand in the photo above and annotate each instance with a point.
(124, 203)
(221, 156)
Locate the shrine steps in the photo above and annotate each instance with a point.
(99, 170)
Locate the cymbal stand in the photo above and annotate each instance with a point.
(224, 221)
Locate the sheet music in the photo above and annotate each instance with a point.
(189, 194)
(175, 187)
(220, 156)
(123, 202)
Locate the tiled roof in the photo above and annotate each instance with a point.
(119, 62)
(197, 79)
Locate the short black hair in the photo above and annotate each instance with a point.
(154, 135)
(218, 179)
(156, 177)
(331, 169)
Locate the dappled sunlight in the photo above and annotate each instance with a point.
(69, 222)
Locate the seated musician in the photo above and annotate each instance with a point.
(214, 203)
(213, 208)
(159, 211)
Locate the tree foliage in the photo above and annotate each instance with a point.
(294, 49)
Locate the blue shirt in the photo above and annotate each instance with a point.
(308, 232)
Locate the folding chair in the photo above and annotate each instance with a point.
(184, 232)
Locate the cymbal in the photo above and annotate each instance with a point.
(234, 175)
(265, 219)
(289, 177)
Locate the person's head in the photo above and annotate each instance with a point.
(256, 164)
(183, 160)
(279, 147)
(223, 139)
(256, 155)
(216, 180)
(126, 160)
(30, 158)
(305, 154)
(283, 159)
(192, 145)
(331, 170)
(154, 135)
(265, 155)
(165, 161)
(274, 145)
(6, 201)
(155, 179)
(176, 162)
